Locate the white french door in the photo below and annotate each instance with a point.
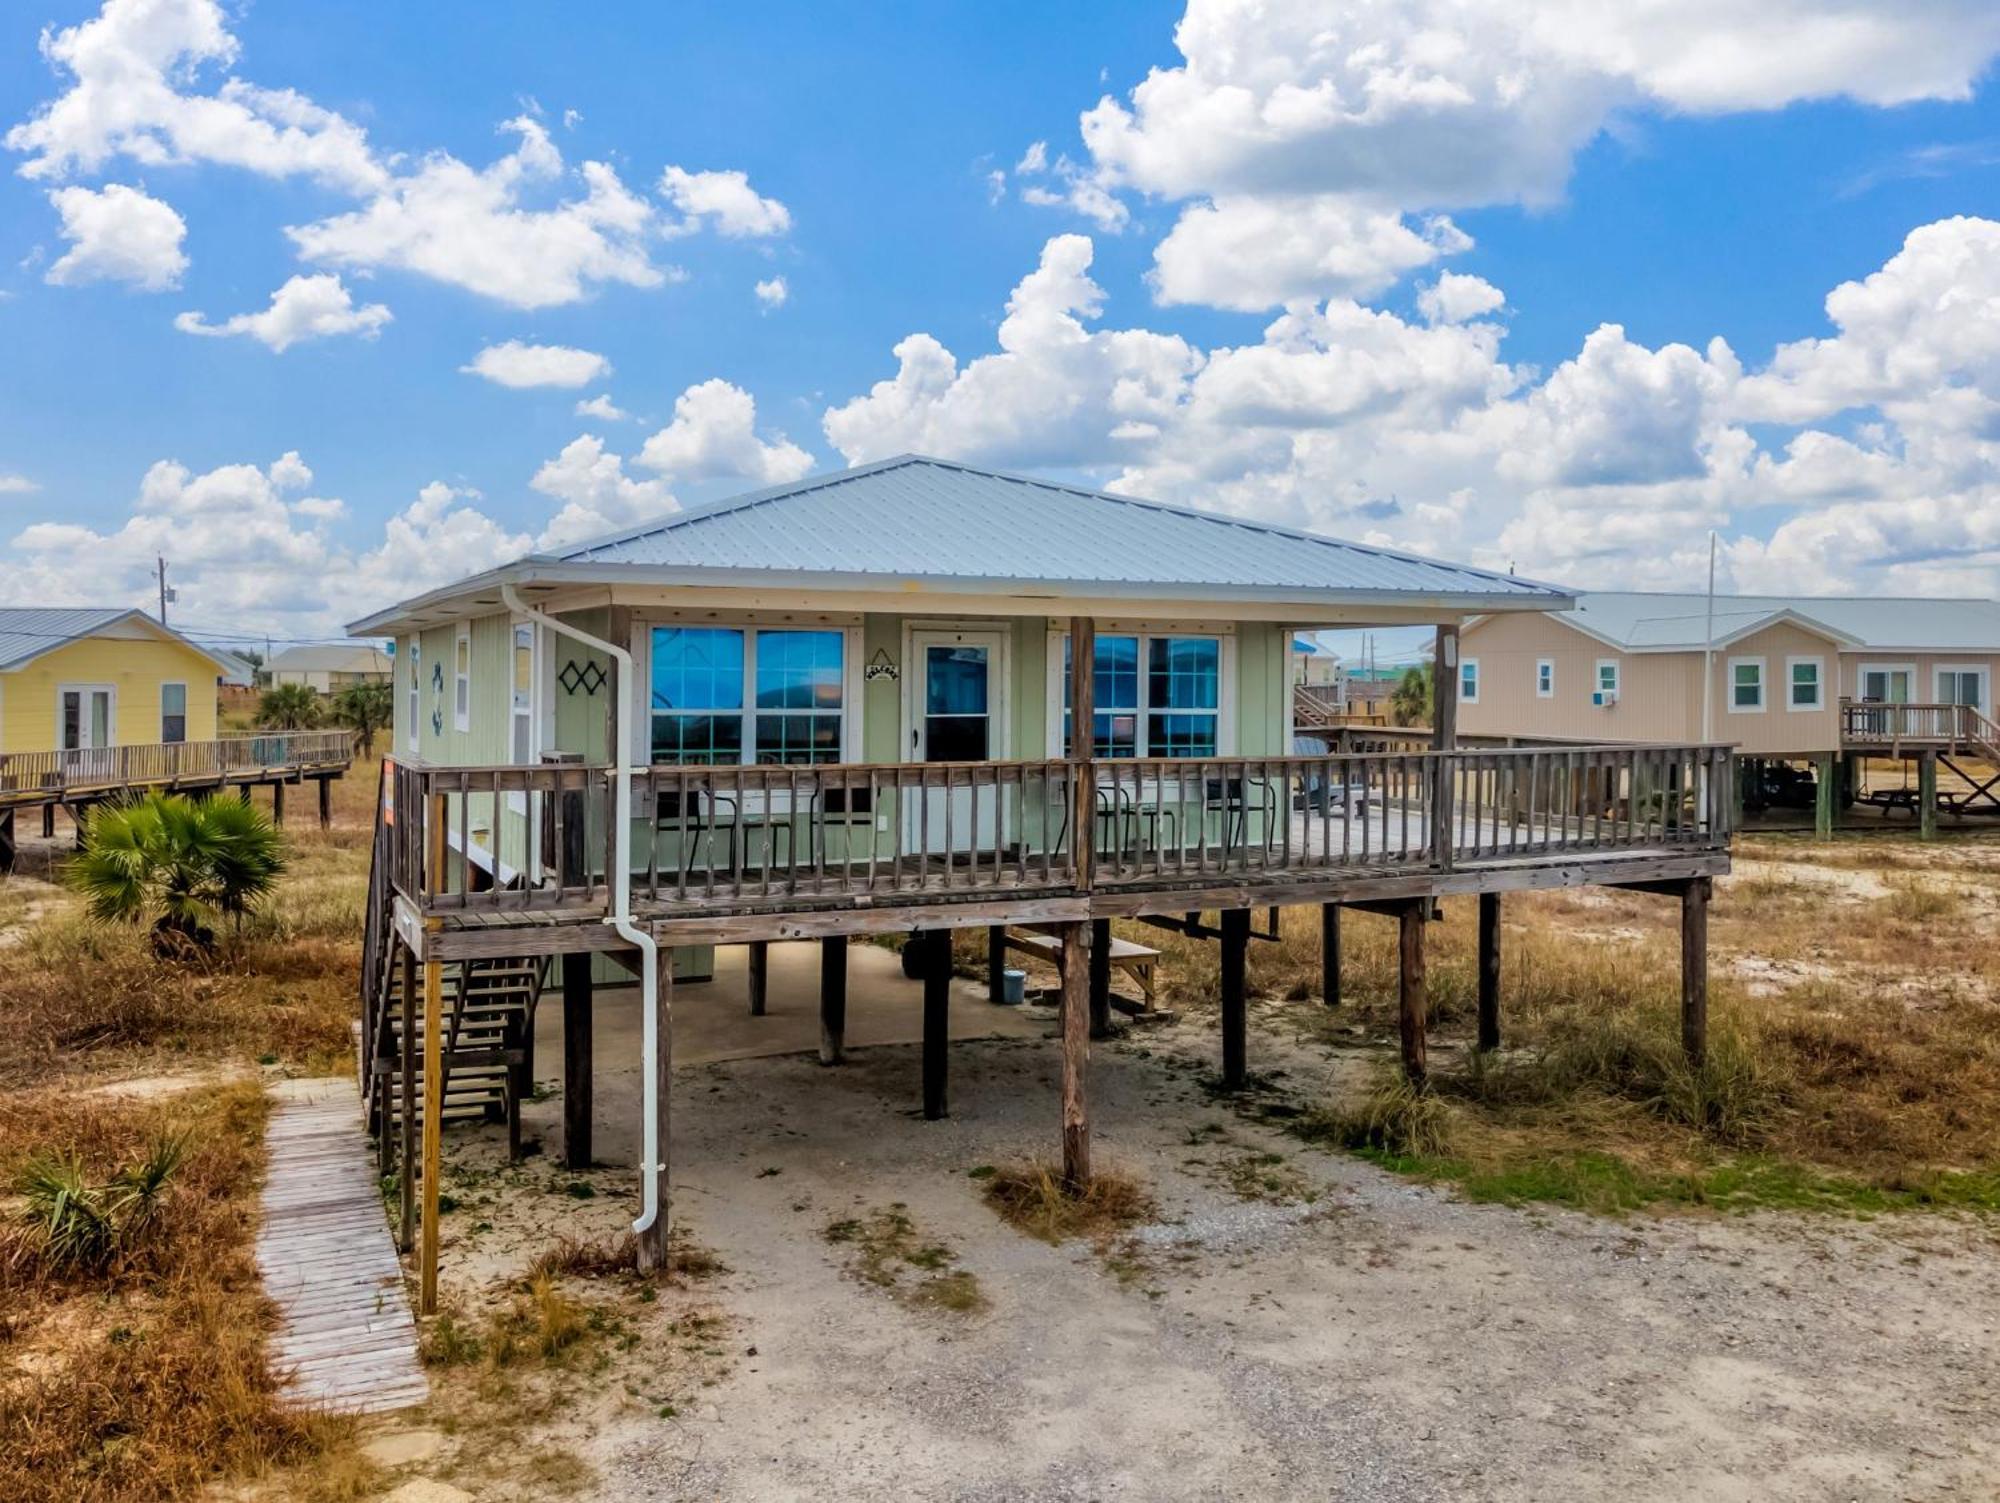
(1887, 684)
(86, 726)
(956, 711)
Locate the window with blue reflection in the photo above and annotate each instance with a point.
(1115, 721)
(697, 694)
(804, 675)
(791, 714)
(1184, 673)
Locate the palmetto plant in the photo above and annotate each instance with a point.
(178, 862)
(1410, 701)
(290, 707)
(366, 708)
(72, 1226)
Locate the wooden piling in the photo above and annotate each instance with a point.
(325, 803)
(1075, 962)
(1235, 957)
(1824, 797)
(8, 847)
(1100, 978)
(1489, 970)
(1694, 969)
(577, 1005)
(1927, 795)
(832, 999)
(757, 969)
(278, 802)
(407, 1082)
(653, 1242)
(427, 1258)
(1329, 954)
(1411, 919)
(937, 1019)
(996, 963)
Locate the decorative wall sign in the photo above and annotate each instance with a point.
(585, 677)
(881, 667)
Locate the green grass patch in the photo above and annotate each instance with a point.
(1608, 1184)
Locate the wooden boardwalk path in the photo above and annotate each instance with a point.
(348, 1339)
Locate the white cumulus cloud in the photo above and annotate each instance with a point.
(724, 201)
(520, 365)
(602, 408)
(1348, 117)
(772, 293)
(118, 234)
(310, 307)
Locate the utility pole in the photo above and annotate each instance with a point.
(165, 593)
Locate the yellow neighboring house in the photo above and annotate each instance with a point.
(76, 679)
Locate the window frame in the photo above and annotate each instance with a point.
(414, 700)
(1763, 667)
(1617, 685)
(180, 684)
(1800, 660)
(1468, 670)
(1545, 678)
(461, 677)
(1225, 689)
(849, 714)
(1979, 670)
(522, 702)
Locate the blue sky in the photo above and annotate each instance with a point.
(1684, 180)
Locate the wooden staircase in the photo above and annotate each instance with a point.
(487, 1026)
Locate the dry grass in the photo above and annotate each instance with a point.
(1032, 1196)
(148, 1379)
(75, 993)
(1870, 1070)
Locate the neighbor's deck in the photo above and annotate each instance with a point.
(39, 779)
(737, 854)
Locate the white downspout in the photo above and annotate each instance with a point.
(621, 907)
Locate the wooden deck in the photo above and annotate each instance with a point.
(348, 1340)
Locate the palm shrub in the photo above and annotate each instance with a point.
(179, 863)
(1410, 700)
(365, 708)
(69, 1225)
(290, 707)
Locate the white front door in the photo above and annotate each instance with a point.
(957, 712)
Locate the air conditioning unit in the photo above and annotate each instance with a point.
(1604, 699)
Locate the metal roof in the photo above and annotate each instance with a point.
(26, 632)
(913, 517)
(1646, 622)
(331, 658)
(29, 631)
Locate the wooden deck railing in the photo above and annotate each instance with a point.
(38, 777)
(708, 839)
(1871, 723)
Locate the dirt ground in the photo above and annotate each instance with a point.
(1295, 1324)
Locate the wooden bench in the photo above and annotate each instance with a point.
(1135, 960)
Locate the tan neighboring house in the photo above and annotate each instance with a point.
(1790, 678)
(330, 669)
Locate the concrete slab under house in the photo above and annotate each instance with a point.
(843, 707)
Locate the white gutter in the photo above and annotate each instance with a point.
(651, 1169)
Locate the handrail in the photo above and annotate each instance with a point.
(1881, 722)
(789, 837)
(41, 775)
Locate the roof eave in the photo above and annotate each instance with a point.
(542, 570)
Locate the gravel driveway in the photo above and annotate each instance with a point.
(1355, 1337)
